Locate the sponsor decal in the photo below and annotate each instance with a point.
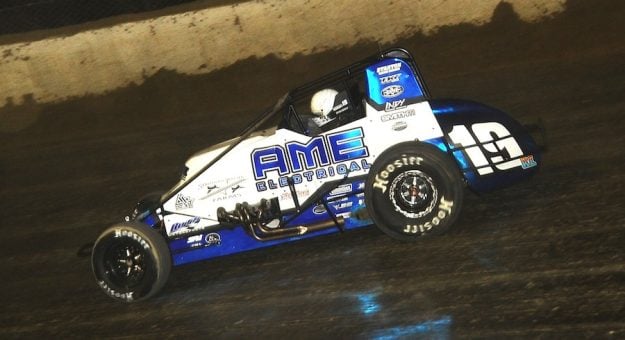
(319, 209)
(321, 157)
(341, 190)
(124, 296)
(198, 241)
(227, 189)
(398, 115)
(131, 234)
(392, 91)
(381, 178)
(382, 70)
(343, 205)
(390, 79)
(444, 210)
(300, 193)
(398, 126)
(194, 239)
(528, 162)
(184, 202)
(395, 105)
(212, 239)
(188, 224)
(345, 214)
(226, 197)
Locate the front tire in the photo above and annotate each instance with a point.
(413, 190)
(130, 261)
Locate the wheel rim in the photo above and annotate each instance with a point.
(125, 264)
(413, 193)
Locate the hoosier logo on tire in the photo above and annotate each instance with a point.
(413, 190)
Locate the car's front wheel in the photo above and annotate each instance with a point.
(130, 261)
(413, 190)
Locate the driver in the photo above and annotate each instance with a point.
(326, 105)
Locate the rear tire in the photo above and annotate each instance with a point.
(130, 261)
(413, 190)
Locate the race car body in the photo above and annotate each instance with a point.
(364, 145)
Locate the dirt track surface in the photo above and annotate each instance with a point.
(544, 258)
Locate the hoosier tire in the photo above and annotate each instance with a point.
(130, 261)
(413, 190)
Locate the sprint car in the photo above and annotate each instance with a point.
(365, 145)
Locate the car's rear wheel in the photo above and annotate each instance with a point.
(131, 261)
(413, 190)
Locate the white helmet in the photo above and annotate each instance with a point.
(323, 102)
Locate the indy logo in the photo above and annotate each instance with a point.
(394, 105)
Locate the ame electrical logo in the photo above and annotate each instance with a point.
(321, 157)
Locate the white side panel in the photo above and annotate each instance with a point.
(232, 179)
(387, 128)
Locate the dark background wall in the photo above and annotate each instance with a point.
(17, 16)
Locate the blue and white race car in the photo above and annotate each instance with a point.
(364, 145)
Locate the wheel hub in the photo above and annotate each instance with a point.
(125, 264)
(413, 193)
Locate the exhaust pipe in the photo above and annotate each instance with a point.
(251, 218)
(266, 234)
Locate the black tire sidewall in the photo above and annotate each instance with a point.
(432, 162)
(157, 261)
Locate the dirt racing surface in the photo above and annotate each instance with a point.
(544, 258)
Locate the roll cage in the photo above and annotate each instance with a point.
(351, 79)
